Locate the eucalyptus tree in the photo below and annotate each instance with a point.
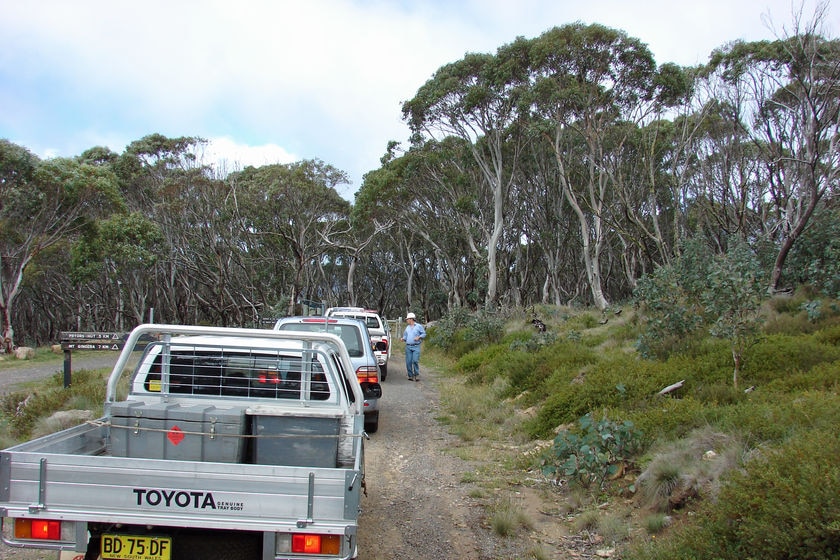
(42, 203)
(791, 88)
(476, 100)
(218, 280)
(587, 79)
(388, 194)
(549, 227)
(352, 238)
(151, 164)
(454, 213)
(652, 171)
(729, 182)
(431, 194)
(48, 298)
(291, 209)
(378, 214)
(115, 255)
(159, 177)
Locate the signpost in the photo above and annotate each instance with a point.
(88, 341)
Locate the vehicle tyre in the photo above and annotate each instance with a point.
(383, 371)
(372, 422)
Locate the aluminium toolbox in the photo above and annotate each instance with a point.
(173, 431)
(284, 437)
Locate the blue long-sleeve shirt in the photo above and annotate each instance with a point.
(413, 334)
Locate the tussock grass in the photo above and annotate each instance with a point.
(508, 517)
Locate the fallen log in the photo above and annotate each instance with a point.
(672, 387)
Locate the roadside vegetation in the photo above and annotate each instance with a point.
(706, 469)
(29, 412)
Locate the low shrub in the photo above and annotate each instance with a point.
(477, 364)
(719, 395)
(790, 304)
(593, 453)
(778, 355)
(460, 331)
(767, 419)
(829, 335)
(790, 325)
(668, 418)
(535, 371)
(795, 490)
(823, 377)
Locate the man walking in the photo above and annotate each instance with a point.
(412, 336)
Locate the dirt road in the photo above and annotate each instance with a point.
(417, 507)
(13, 377)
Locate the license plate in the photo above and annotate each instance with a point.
(136, 547)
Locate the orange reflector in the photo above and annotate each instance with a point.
(23, 528)
(38, 529)
(331, 544)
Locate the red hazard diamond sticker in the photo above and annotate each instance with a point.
(175, 435)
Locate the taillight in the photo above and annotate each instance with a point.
(385, 340)
(269, 378)
(368, 374)
(308, 543)
(40, 529)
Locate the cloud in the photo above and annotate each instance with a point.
(277, 79)
(226, 155)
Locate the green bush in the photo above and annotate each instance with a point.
(795, 490)
(829, 335)
(460, 331)
(777, 355)
(789, 304)
(549, 362)
(790, 325)
(477, 364)
(822, 377)
(593, 453)
(763, 418)
(669, 418)
(719, 395)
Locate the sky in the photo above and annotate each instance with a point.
(277, 81)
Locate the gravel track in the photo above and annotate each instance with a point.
(12, 378)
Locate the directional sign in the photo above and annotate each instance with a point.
(93, 336)
(92, 345)
(93, 340)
